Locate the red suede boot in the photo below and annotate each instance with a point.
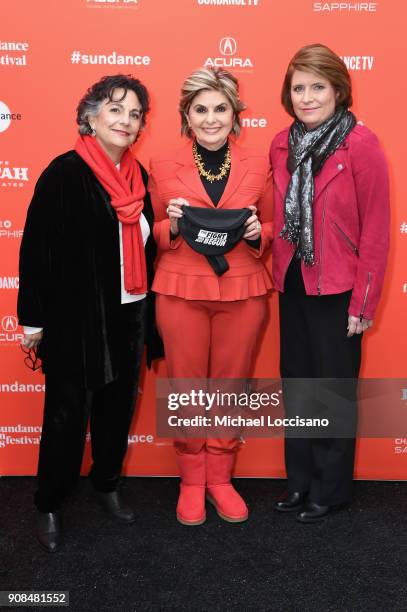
(191, 501)
(220, 492)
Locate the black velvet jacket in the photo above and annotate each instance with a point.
(70, 273)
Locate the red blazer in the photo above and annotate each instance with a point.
(180, 270)
(351, 221)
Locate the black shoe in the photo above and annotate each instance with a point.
(114, 506)
(48, 530)
(313, 512)
(290, 502)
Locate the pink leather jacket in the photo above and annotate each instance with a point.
(351, 221)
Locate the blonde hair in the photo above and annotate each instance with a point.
(207, 79)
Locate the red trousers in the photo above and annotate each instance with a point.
(209, 339)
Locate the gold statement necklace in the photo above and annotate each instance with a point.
(223, 170)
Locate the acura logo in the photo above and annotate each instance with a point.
(9, 324)
(228, 46)
(227, 56)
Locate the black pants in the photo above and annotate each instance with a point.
(68, 407)
(313, 344)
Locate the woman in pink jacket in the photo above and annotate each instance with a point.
(331, 225)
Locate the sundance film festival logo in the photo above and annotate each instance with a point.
(345, 7)
(254, 122)
(16, 53)
(12, 176)
(7, 230)
(9, 282)
(113, 58)
(19, 435)
(228, 50)
(358, 62)
(6, 116)
(18, 387)
(141, 439)
(8, 331)
(132, 438)
(241, 3)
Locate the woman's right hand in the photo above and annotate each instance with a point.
(31, 340)
(174, 212)
(357, 326)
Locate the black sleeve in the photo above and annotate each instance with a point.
(34, 262)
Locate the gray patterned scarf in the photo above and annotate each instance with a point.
(307, 152)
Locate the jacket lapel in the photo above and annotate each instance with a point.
(238, 171)
(189, 176)
(281, 178)
(334, 165)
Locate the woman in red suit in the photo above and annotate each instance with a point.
(329, 256)
(209, 323)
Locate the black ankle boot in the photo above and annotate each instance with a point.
(312, 512)
(290, 502)
(48, 530)
(116, 507)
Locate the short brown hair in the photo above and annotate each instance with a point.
(325, 63)
(207, 79)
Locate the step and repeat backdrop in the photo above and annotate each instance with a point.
(51, 51)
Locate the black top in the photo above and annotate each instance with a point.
(294, 283)
(213, 160)
(70, 273)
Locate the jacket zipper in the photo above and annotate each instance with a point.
(321, 244)
(348, 240)
(369, 278)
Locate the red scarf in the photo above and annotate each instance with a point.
(126, 190)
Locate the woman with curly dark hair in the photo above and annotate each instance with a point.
(85, 270)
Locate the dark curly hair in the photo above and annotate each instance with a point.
(90, 104)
